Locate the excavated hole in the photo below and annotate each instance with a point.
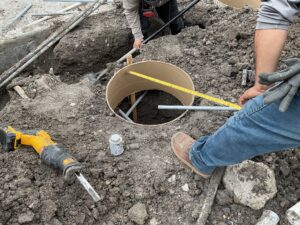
(123, 84)
(147, 111)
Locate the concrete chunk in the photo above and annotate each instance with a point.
(250, 183)
(293, 214)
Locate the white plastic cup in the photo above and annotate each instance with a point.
(268, 218)
(116, 144)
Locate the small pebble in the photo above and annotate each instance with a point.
(172, 179)
(185, 188)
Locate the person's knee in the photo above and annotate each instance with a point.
(275, 14)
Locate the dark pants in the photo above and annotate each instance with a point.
(166, 12)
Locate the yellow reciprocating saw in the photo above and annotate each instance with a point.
(49, 152)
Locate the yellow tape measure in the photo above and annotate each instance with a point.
(179, 88)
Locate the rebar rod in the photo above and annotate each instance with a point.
(136, 103)
(207, 108)
(125, 116)
(51, 14)
(11, 73)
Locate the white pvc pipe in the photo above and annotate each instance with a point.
(184, 107)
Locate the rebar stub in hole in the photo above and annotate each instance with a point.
(147, 110)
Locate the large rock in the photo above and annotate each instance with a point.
(250, 183)
(138, 213)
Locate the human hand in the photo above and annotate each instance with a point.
(287, 89)
(251, 93)
(138, 43)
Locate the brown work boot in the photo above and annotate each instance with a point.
(181, 144)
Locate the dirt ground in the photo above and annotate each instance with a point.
(9, 9)
(214, 49)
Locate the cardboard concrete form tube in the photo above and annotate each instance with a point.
(123, 84)
(238, 4)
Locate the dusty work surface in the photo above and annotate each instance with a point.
(213, 52)
(9, 9)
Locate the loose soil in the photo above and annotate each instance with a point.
(4, 99)
(147, 110)
(77, 117)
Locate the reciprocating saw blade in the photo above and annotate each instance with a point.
(88, 187)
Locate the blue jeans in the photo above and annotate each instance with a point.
(255, 130)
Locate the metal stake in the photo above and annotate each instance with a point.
(132, 96)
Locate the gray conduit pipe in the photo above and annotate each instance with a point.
(204, 108)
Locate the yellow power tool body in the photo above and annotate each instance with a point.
(42, 143)
(49, 152)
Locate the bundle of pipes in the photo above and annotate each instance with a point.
(11, 73)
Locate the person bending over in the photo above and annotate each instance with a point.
(138, 12)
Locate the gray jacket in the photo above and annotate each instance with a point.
(131, 8)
